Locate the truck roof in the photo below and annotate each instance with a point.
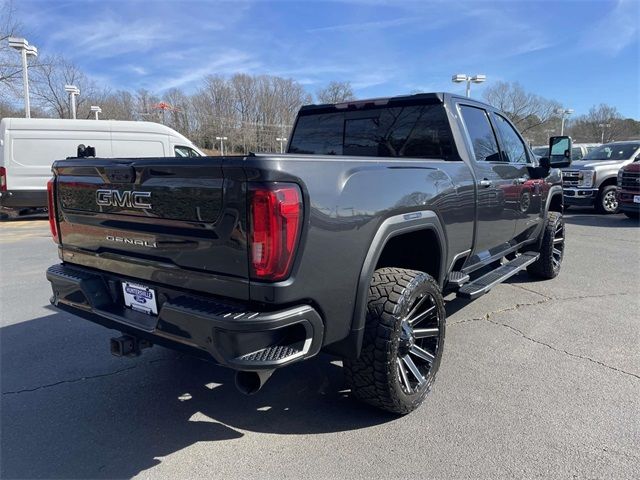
(433, 97)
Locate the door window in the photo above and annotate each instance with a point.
(513, 148)
(182, 151)
(483, 140)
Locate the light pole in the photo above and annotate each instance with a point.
(95, 109)
(603, 126)
(221, 140)
(73, 91)
(25, 49)
(564, 113)
(282, 141)
(462, 77)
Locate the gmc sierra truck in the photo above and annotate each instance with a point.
(345, 244)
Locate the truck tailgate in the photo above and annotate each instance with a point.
(167, 220)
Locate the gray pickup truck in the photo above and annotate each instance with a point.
(592, 180)
(345, 244)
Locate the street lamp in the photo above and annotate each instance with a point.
(221, 140)
(461, 77)
(282, 141)
(603, 126)
(563, 112)
(25, 49)
(73, 91)
(95, 109)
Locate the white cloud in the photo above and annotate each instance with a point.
(616, 30)
(360, 26)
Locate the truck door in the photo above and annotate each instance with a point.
(495, 217)
(525, 193)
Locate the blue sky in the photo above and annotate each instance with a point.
(580, 53)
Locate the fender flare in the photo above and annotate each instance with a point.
(553, 191)
(389, 228)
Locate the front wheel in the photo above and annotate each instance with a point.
(607, 202)
(551, 248)
(403, 341)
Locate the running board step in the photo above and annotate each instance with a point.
(482, 285)
(456, 280)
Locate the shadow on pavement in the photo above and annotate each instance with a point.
(598, 220)
(58, 423)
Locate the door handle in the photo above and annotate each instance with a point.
(520, 181)
(485, 183)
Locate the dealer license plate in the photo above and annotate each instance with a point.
(140, 298)
(636, 199)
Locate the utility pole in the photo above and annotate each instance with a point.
(221, 140)
(95, 109)
(462, 77)
(282, 141)
(564, 113)
(25, 49)
(73, 91)
(603, 126)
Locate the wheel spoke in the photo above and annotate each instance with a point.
(558, 240)
(417, 306)
(557, 252)
(426, 332)
(403, 375)
(415, 320)
(422, 353)
(413, 369)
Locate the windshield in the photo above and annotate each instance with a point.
(407, 131)
(613, 151)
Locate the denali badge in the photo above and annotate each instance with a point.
(132, 241)
(126, 198)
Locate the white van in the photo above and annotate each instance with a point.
(29, 146)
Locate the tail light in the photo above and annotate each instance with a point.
(275, 222)
(53, 225)
(3, 179)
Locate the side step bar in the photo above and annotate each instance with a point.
(482, 285)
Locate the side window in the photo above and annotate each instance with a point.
(485, 147)
(576, 153)
(513, 149)
(184, 152)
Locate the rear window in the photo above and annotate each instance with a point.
(409, 131)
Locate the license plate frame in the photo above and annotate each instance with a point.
(140, 298)
(636, 199)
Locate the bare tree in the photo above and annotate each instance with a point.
(51, 75)
(335, 92)
(604, 123)
(527, 111)
(10, 66)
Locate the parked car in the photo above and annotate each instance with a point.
(578, 150)
(628, 192)
(592, 180)
(28, 147)
(345, 244)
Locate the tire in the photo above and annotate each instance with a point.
(395, 353)
(551, 249)
(633, 215)
(607, 203)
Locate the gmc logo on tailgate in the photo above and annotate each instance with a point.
(126, 198)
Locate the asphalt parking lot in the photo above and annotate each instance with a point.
(539, 379)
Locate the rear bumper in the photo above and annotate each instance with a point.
(226, 332)
(23, 199)
(580, 196)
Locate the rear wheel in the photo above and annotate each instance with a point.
(607, 202)
(551, 248)
(403, 341)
